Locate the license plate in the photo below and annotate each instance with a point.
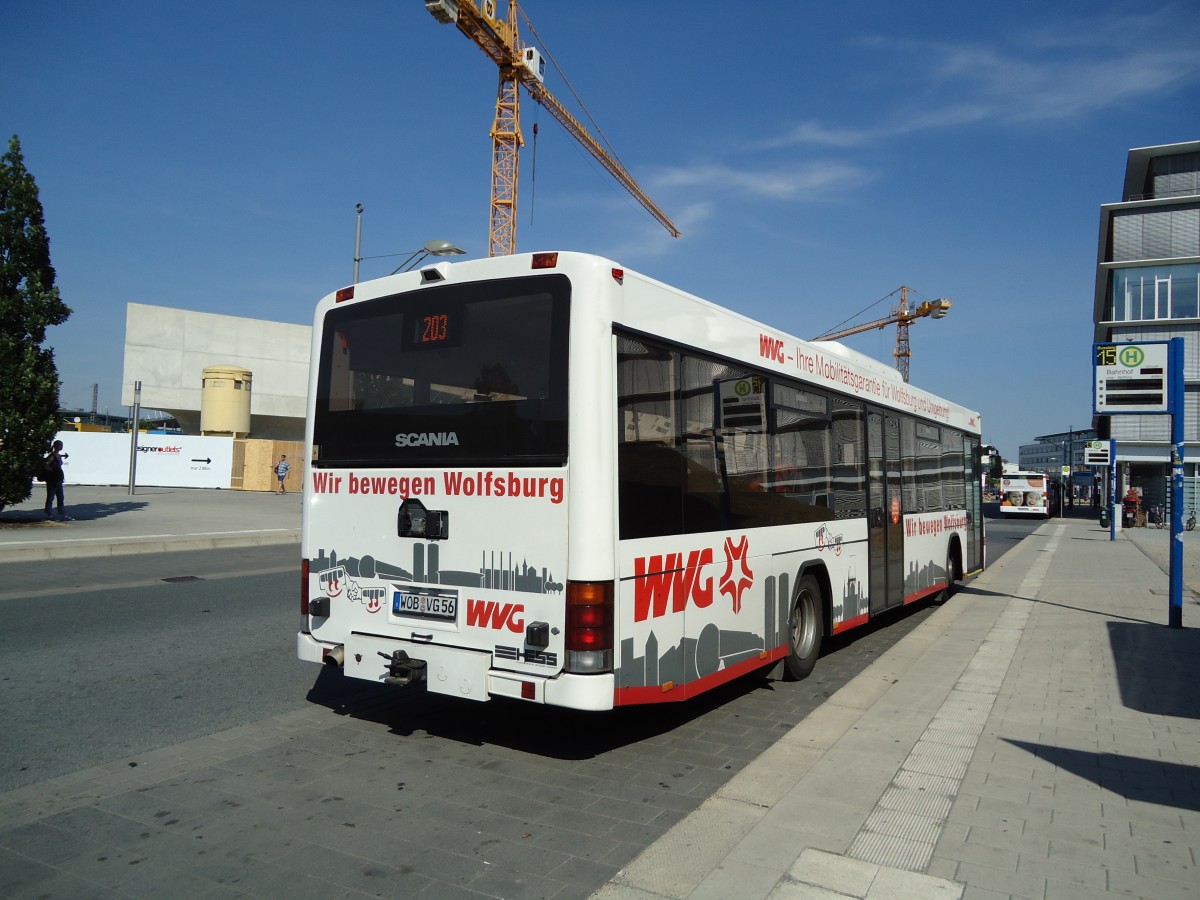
(426, 603)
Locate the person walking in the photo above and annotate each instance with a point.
(281, 470)
(52, 472)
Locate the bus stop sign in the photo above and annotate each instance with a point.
(1095, 453)
(1131, 378)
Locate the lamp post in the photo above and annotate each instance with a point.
(357, 240)
(429, 248)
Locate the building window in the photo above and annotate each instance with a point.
(1146, 293)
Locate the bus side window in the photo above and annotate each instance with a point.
(651, 471)
(849, 481)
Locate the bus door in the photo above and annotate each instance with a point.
(885, 522)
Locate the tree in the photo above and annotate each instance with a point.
(29, 303)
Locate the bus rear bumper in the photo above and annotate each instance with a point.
(309, 649)
(460, 672)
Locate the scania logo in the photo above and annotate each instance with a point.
(427, 439)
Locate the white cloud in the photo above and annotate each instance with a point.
(1068, 71)
(804, 181)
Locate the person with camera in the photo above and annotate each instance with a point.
(52, 474)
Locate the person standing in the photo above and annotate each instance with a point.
(281, 470)
(52, 470)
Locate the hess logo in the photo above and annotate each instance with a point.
(666, 583)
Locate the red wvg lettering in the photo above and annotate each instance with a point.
(771, 348)
(670, 583)
(491, 614)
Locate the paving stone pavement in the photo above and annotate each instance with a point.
(1037, 737)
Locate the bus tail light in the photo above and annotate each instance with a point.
(544, 260)
(589, 637)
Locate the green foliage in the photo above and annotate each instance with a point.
(29, 304)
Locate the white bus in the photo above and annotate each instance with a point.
(1025, 494)
(548, 478)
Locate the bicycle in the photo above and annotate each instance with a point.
(1158, 517)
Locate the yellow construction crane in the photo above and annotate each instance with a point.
(521, 65)
(902, 316)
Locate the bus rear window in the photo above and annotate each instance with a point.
(471, 374)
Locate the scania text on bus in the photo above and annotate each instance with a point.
(548, 478)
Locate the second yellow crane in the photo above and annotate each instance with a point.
(902, 316)
(524, 66)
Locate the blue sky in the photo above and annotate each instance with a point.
(815, 157)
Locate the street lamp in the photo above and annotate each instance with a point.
(429, 248)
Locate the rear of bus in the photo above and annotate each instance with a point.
(1025, 494)
(436, 511)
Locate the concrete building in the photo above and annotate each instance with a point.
(1148, 289)
(168, 350)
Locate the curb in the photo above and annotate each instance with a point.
(93, 548)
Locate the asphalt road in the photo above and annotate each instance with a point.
(109, 657)
(105, 658)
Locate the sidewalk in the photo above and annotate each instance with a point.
(108, 521)
(1038, 736)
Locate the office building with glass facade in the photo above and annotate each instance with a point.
(1148, 289)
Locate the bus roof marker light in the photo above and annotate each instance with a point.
(618, 275)
(346, 293)
(544, 261)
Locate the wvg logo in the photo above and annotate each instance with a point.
(668, 582)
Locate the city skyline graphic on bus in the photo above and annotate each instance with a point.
(497, 570)
(715, 648)
(923, 578)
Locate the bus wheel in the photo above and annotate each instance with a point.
(951, 575)
(804, 630)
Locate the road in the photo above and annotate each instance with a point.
(1004, 533)
(107, 660)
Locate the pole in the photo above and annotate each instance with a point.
(357, 240)
(133, 436)
(1175, 404)
(1071, 465)
(1112, 490)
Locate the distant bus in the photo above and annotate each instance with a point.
(548, 478)
(1025, 494)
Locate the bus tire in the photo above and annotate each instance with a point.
(951, 574)
(805, 628)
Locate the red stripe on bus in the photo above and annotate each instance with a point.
(926, 592)
(852, 622)
(629, 696)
